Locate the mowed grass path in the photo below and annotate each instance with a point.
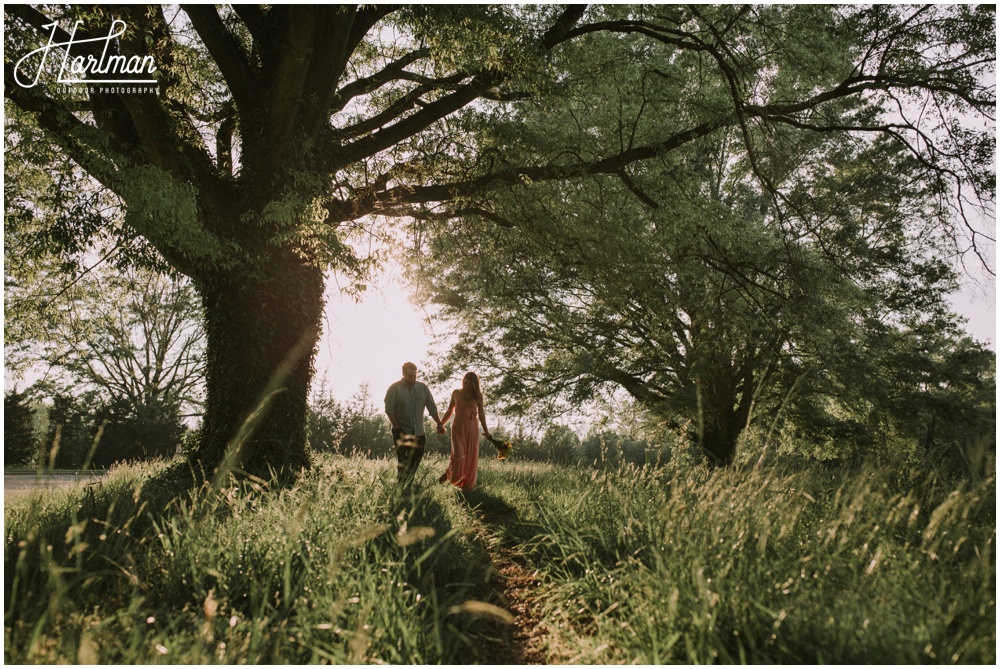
(676, 564)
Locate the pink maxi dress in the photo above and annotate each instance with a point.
(464, 443)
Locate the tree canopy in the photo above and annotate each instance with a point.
(274, 130)
(715, 282)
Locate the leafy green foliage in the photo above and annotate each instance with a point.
(713, 302)
(278, 131)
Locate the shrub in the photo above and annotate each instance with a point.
(152, 430)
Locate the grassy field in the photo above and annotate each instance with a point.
(675, 564)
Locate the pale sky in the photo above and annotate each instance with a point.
(978, 303)
(368, 341)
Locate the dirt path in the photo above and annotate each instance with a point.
(514, 584)
(28, 481)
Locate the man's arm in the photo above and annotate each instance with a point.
(433, 411)
(390, 407)
(441, 427)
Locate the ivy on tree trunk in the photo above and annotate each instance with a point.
(261, 338)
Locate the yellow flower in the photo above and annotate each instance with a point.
(503, 448)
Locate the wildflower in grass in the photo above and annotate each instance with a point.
(503, 448)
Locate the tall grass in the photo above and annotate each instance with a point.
(778, 565)
(338, 568)
(656, 565)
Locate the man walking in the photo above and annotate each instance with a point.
(405, 402)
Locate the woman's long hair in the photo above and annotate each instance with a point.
(472, 380)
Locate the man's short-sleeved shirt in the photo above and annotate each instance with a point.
(408, 405)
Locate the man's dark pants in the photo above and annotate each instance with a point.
(407, 458)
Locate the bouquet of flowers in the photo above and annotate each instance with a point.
(503, 448)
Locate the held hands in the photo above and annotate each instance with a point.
(441, 429)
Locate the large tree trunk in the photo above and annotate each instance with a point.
(727, 407)
(262, 328)
(719, 441)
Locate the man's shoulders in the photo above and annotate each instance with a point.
(425, 389)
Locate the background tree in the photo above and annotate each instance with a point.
(133, 336)
(20, 445)
(94, 318)
(357, 426)
(687, 290)
(107, 325)
(560, 444)
(135, 432)
(71, 431)
(311, 118)
(55, 223)
(923, 382)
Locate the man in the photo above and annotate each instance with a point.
(405, 402)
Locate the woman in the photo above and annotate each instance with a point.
(467, 405)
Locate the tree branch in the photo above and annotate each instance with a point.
(239, 73)
(560, 30)
(404, 104)
(336, 38)
(366, 85)
(411, 125)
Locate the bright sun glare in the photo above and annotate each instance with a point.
(368, 341)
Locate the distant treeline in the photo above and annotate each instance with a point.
(65, 432)
(83, 432)
(959, 434)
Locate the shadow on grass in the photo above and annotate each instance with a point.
(96, 551)
(86, 535)
(454, 568)
(502, 518)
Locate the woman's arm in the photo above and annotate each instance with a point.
(451, 409)
(482, 417)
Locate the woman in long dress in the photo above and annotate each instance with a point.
(467, 405)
